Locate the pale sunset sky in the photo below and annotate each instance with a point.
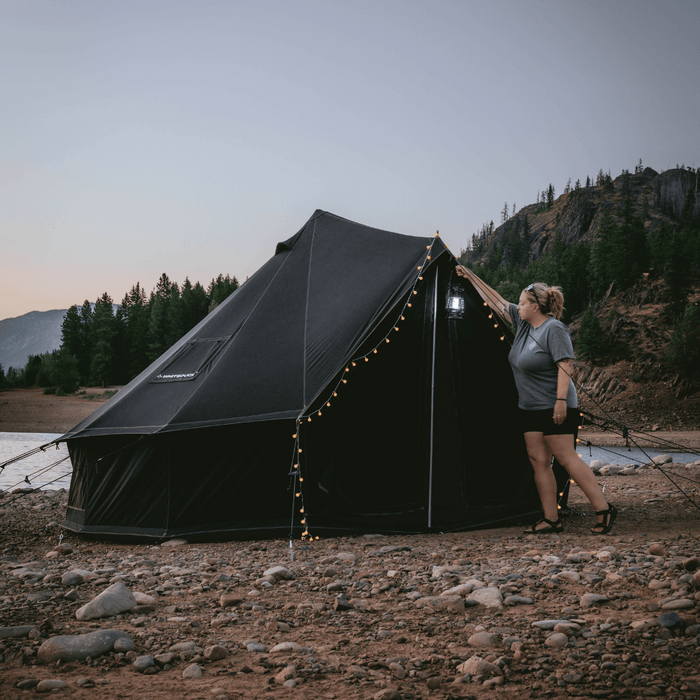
(139, 137)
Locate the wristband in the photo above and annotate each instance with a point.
(561, 399)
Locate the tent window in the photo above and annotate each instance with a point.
(192, 359)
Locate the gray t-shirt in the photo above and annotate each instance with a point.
(533, 359)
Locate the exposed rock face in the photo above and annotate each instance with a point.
(578, 214)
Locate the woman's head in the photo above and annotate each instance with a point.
(549, 300)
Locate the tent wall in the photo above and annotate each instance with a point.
(422, 437)
(368, 456)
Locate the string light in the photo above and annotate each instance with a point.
(299, 493)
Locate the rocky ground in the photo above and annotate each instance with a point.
(472, 615)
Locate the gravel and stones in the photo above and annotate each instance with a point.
(460, 615)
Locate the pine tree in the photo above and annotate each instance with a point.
(194, 304)
(603, 254)
(590, 341)
(550, 196)
(159, 317)
(222, 287)
(103, 332)
(685, 343)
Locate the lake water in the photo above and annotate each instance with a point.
(12, 477)
(57, 477)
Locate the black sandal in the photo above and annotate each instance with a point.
(605, 526)
(553, 526)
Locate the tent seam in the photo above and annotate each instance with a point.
(306, 318)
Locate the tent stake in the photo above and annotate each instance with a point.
(432, 404)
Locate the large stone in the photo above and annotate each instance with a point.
(556, 640)
(588, 600)
(476, 666)
(215, 652)
(670, 621)
(483, 639)
(46, 686)
(278, 573)
(75, 577)
(465, 588)
(285, 646)
(112, 601)
(678, 604)
(142, 663)
(192, 671)
(144, 598)
(455, 603)
(489, 597)
(78, 647)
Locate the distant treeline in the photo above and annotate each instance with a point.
(100, 347)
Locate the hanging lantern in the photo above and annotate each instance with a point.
(455, 301)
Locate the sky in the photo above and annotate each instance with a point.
(188, 137)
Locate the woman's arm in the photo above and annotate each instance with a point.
(566, 367)
(488, 294)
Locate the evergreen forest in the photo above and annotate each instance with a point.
(641, 234)
(101, 346)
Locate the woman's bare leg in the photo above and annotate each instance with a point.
(563, 448)
(540, 456)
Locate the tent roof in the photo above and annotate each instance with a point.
(270, 349)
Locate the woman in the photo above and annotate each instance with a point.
(542, 359)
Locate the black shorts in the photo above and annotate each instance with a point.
(543, 422)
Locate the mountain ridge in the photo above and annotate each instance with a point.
(33, 333)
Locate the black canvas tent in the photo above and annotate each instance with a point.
(333, 392)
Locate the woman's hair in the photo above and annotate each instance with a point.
(549, 299)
